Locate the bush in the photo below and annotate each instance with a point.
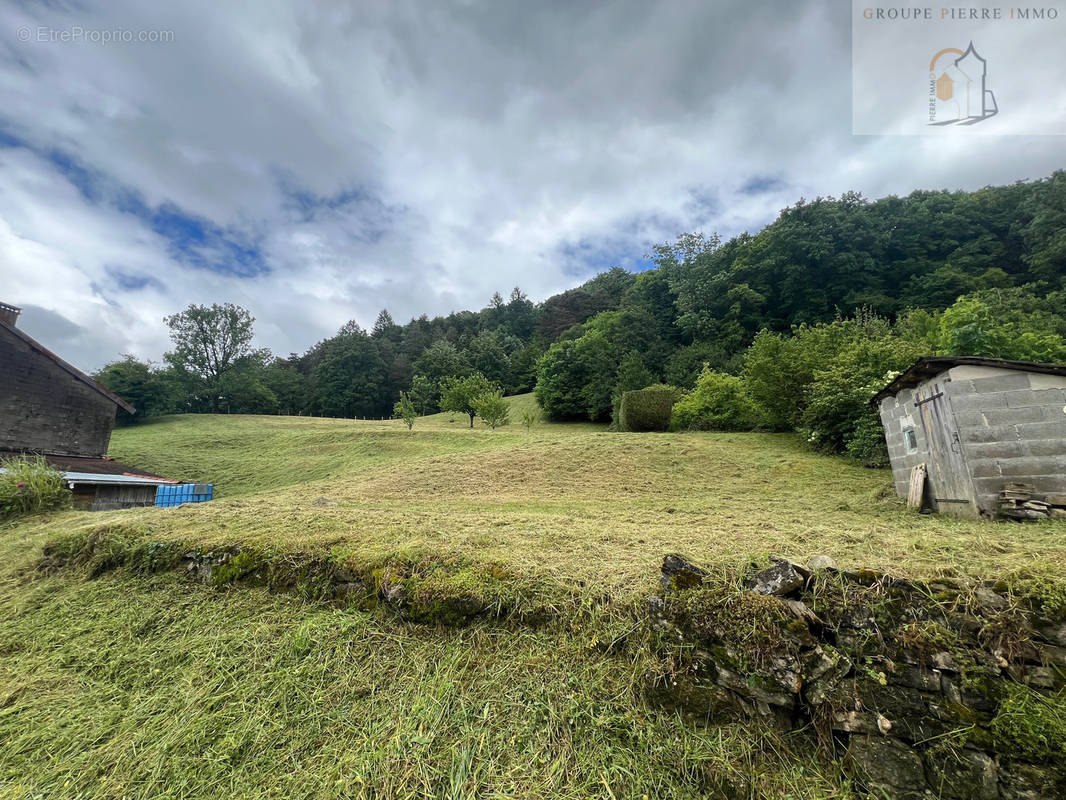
(646, 409)
(30, 486)
(719, 402)
(492, 409)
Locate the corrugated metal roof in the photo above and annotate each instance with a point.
(930, 366)
(96, 478)
(73, 478)
(77, 373)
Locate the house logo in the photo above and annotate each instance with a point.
(958, 88)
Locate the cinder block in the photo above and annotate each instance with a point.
(1032, 466)
(999, 433)
(971, 419)
(1042, 430)
(983, 486)
(978, 401)
(985, 468)
(1022, 414)
(1044, 447)
(1001, 449)
(1031, 397)
(1002, 383)
(1049, 484)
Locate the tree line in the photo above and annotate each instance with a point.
(976, 273)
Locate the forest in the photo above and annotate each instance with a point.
(790, 328)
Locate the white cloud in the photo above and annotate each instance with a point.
(416, 155)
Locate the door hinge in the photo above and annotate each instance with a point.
(927, 399)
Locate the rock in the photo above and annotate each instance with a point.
(324, 501)
(988, 599)
(820, 562)
(1054, 633)
(886, 766)
(1056, 513)
(761, 690)
(943, 661)
(780, 579)
(928, 680)
(1026, 782)
(1042, 678)
(963, 775)
(680, 573)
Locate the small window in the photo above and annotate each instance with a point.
(910, 440)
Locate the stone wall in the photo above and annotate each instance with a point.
(44, 408)
(1012, 426)
(945, 689)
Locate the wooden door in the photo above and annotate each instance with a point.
(949, 478)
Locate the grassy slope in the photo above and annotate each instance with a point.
(155, 687)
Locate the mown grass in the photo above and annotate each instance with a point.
(144, 686)
(569, 504)
(123, 687)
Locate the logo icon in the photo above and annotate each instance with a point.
(958, 92)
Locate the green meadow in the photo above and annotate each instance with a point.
(135, 683)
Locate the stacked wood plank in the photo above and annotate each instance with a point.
(1021, 501)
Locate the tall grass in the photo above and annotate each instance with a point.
(29, 486)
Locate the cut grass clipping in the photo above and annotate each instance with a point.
(142, 684)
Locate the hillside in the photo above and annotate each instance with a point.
(142, 682)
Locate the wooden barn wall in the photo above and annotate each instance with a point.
(45, 408)
(109, 498)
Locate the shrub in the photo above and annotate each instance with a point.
(719, 402)
(405, 410)
(646, 410)
(30, 486)
(492, 409)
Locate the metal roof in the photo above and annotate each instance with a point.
(930, 366)
(77, 373)
(95, 478)
(129, 480)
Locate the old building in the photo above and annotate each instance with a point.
(51, 408)
(977, 424)
(46, 404)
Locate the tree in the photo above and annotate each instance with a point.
(439, 361)
(460, 394)
(349, 379)
(385, 327)
(208, 342)
(422, 393)
(141, 385)
(492, 409)
(405, 410)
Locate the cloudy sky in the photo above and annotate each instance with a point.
(317, 161)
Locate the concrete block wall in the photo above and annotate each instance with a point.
(1012, 427)
(46, 409)
(897, 415)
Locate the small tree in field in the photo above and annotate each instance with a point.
(529, 419)
(460, 393)
(405, 410)
(493, 410)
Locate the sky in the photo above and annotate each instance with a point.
(316, 162)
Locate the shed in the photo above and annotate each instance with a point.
(103, 484)
(978, 424)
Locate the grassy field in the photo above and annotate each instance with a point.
(147, 686)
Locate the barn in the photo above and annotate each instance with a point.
(978, 426)
(51, 408)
